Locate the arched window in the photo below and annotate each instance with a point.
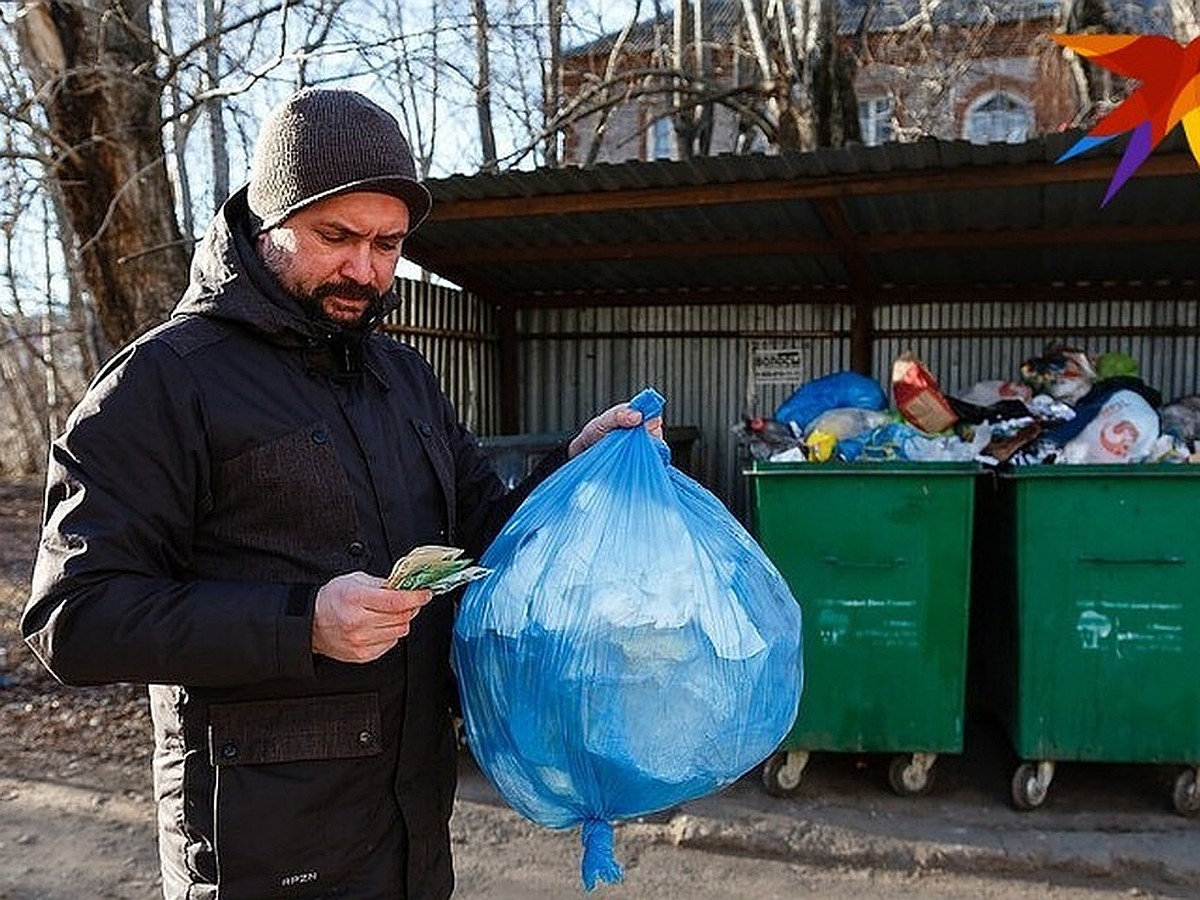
(660, 139)
(875, 120)
(998, 118)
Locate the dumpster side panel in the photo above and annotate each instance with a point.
(879, 560)
(1108, 585)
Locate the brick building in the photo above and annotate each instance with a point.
(960, 70)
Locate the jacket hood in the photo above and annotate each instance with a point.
(229, 281)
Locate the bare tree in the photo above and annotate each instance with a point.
(608, 84)
(774, 72)
(411, 75)
(1185, 16)
(210, 77)
(808, 79)
(693, 64)
(483, 85)
(93, 94)
(552, 77)
(176, 136)
(93, 68)
(831, 70)
(1095, 84)
(798, 74)
(23, 379)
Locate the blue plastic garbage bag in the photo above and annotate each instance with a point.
(633, 649)
(838, 390)
(894, 440)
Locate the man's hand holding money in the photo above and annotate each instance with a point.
(358, 618)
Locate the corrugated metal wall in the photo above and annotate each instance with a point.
(576, 362)
(455, 331)
(965, 343)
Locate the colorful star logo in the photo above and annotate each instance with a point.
(1169, 94)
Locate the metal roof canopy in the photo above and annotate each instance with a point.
(922, 222)
(927, 222)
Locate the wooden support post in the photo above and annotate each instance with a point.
(510, 389)
(861, 337)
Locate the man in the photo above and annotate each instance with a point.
(221, 510)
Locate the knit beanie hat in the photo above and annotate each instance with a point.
(323, 142)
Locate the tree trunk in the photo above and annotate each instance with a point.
(1185, 16)
(28, 449)
(1094, 83)
(92, 62)
(23, 388)
(552, 82)
(610, 70)
(90, 343)
(210, 79)
(835, 109)
(798, 96)
(483, 87)
(178, 169)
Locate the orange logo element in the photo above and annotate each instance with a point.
(1169, 73)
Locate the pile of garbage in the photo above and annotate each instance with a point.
(1064, 408)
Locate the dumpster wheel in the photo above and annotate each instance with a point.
(1031, 784)
(782, 772)
(1187, 792)
(912, 776)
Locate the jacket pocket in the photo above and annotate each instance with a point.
(296, 806)
(282, 508)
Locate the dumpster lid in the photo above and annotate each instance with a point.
(1103, 470)
(890, 467)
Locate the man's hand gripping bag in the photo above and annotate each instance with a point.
(633, 649)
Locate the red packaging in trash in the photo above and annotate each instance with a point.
(918, 397)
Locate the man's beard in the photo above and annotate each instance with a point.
(310, 301)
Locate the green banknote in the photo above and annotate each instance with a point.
(434, 568)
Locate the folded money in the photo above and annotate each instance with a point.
(434, 568)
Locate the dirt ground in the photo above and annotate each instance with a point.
(66, 754)
(77, 819)
(55, 728)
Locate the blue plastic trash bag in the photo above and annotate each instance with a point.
(895, 440)
(839, 390)
(633, 649)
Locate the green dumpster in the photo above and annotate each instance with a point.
(878, 556)
(1093, 603)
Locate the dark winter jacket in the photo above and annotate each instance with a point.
(217, 472)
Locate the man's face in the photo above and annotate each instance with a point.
(339, 255)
